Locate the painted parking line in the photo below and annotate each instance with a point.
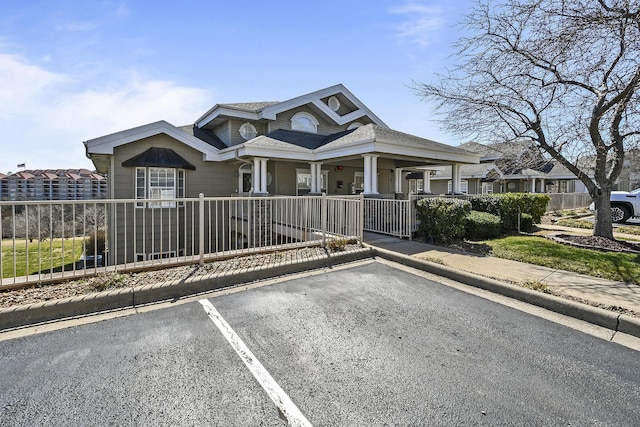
(285, 405)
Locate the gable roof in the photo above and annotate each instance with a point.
(269, 110)
(100, 149)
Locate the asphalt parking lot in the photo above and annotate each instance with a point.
(372, 344)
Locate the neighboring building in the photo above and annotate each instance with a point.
(629, 178)
(509, 167)
(53, 184)
(326, 141)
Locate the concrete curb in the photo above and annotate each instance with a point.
(597, 316)
(123, 298)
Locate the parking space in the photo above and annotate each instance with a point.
(367, 345)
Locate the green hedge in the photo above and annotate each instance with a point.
(508, 205)
(526, 222)
(442, 219)
(482, 225)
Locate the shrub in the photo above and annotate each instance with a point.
(442, 219)
(482, 225)
(526, 222)
(508, 205)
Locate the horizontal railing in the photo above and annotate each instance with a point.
(47, 241)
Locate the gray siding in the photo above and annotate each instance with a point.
(234, 128)
(205, 179)
(283, 121)
(224, 133)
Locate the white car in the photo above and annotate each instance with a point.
(624, 205)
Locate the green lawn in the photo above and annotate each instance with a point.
(51, 256)
(541, 251)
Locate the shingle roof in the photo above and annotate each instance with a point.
(251, 107)
(481, 149)
(203, 135)
(159, 157)
(305, 139)
(372, 132)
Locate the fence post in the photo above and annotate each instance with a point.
(323, 219)
(201, 227)
(410, 217)
(361, 215)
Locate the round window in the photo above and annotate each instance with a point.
(333, 103)
(248, 131)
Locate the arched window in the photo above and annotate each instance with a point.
(354, 125)
(304, 122)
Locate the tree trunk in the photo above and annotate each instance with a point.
(603, 226)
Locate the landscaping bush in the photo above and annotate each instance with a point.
(508, 205)
(526, 222)
(482, 225)
(442, 219)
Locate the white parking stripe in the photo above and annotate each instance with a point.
(286, 406)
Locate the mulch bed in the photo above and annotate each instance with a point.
(596, 242)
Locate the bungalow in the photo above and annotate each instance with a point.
(515, 166)
(326, 141)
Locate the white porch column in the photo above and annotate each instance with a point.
(316, 178)
(455, 178)
(426, 179)
(542, 185)
(259, 177)
(313, 188)
(374, 174)
(263, 176)
(398, 180)
(367, 174)
(533, 185)
(319, 177)
(256, 175)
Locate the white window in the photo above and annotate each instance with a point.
(487, 187)
(334, 103)
(303, 181)
(464, 186)
(358, 182)
(304, 122)
(248, 131)
(161, 184)
(416, 186)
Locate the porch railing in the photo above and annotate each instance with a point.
(45, 241)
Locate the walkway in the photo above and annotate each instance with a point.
(598, 291)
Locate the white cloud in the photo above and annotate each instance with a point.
(421, 22)
(45, 117)
(24, 85)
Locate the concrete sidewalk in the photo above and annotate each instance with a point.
(601, 292)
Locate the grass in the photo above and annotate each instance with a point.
(580, 223)
(541, 251)
(54, 255)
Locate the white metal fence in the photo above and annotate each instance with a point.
(43, 241)
(389, 216)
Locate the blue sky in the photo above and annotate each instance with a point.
(74, 70)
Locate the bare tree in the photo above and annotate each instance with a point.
(565, 73)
